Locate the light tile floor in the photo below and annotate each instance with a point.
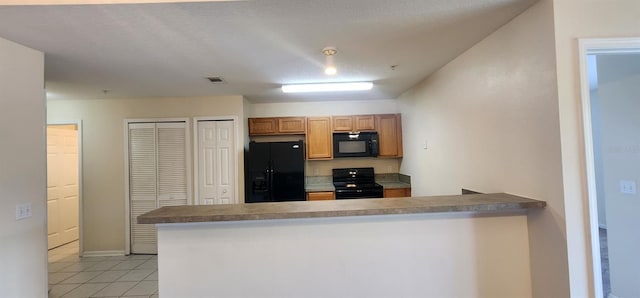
(122, 276)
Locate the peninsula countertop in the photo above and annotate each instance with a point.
(481, 203)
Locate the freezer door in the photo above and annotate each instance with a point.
(258, 184)
(287, 160)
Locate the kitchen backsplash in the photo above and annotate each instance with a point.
(324, 167)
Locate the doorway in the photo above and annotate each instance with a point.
(63, 184)
(610, 79)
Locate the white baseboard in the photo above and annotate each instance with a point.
(611, 296)
(103, 253)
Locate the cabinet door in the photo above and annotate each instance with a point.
(342, 123)
(261, 126)
(321, 196)
(319, 141)
(364, 122)
(291, 125)
(397, 193)
(390, 135)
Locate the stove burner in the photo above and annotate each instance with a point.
(356, 183)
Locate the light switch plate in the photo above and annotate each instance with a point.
(23, 211)
(628, 187)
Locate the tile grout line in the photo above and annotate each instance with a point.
(83, 267)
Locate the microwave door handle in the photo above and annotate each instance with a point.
(374, 147)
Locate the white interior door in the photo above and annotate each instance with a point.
(62, 185)
(216, 162)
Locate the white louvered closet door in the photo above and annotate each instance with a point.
(172, 165)
(157, 176)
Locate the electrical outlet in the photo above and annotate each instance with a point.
(628, 187)
(23, 211)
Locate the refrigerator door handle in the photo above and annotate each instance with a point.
(270, 181)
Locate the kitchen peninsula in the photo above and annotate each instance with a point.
(443, 246)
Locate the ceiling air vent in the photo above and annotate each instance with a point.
(216, 80)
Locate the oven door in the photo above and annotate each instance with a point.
(345, 194)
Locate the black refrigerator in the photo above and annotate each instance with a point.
(275, 172)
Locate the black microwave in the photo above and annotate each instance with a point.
(354, 144)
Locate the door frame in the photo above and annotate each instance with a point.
(589, 46)
(127, 220)
(78, 124)
(239, 144)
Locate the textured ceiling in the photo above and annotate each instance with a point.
(158, 50)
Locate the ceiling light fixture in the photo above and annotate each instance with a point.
(329, 66)
(327, 87)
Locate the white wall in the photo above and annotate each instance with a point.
(23, 252)
(103, 153)
(419, 255)
(490, 119)
(582, 19)
(619, 102)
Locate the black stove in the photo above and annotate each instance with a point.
(356, 183)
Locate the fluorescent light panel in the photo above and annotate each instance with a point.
(327, 87)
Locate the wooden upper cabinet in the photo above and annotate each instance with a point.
(354, 123)
(291, 125)
(276, 125)
(389, 135)
(318, 131)
(342, 123)
(364, 122)
(319, 138)
(262, 126)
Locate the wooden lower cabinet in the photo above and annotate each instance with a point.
(397, 192)
(321, 196)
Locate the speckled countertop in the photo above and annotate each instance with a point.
(318, 183)
(319, 187)
(391, 185)
(335, 208)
